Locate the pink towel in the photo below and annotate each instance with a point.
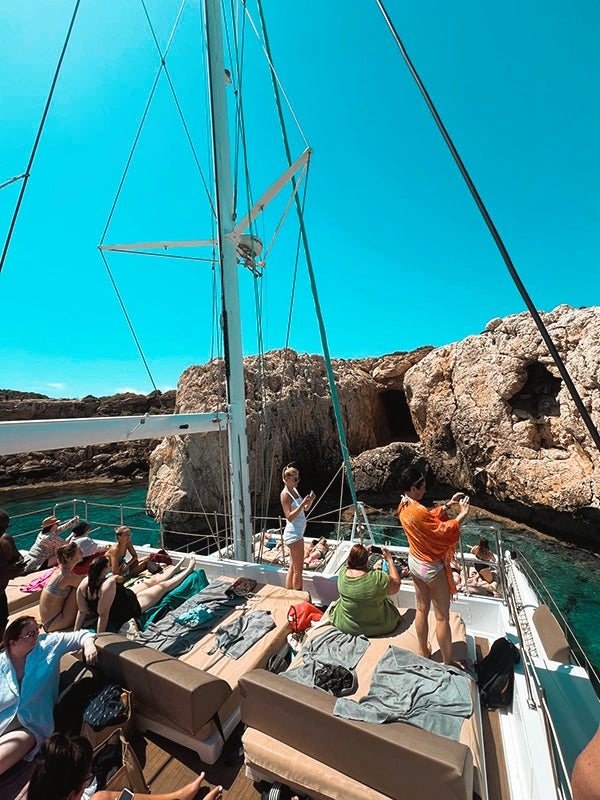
(38, 583)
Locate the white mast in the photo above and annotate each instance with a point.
(232, 330)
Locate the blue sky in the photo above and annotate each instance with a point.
(401, 255)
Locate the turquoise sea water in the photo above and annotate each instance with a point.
(570, 573)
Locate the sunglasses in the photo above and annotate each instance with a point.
(32, 634)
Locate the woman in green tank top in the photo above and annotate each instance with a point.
(363, 605)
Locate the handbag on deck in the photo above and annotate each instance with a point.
(302, 615)
(108, 711)
(116, 766)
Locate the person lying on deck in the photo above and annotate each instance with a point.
(316, 554)
(122, 568)
(58, 601)
(62, 772)
(81, 536)
(101, 594)
(363, 605)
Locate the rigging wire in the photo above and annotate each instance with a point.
(12, 180)
(279, 90)
(164, 255)
(27, 172)
(129, 322)
(176, 99)
(593, 431)
(136, 139)
(311, 275)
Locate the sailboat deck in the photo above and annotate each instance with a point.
(168, 766)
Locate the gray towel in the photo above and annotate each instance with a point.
(239, 636)
(408, 688)
(331, 647)
(173, 636)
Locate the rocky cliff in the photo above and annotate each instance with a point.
(488, 415)
(127, 461)
(289, 418)
(494, 417)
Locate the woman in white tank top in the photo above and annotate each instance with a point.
(294, 507)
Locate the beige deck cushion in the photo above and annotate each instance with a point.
(18, 599)
(262, 751)
(163, 687)
(551, 635)
(404, 637)
(275, 599)
(395, 759)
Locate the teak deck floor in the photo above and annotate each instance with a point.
(168, 767)
(495, 761)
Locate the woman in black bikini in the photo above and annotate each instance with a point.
(101, 594)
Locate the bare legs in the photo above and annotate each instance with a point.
(421, 624)
(294, 577)
(14, 745)
(436, 592)
(155, 588)
(187, 792)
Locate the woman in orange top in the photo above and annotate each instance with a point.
(431, 539)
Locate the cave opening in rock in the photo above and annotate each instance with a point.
(538, 397)
(399, 423)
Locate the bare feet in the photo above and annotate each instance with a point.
(190, 791)
(459, 664)
(427, 653)
(178, 565)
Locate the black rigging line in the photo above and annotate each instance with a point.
(497, 239)
(129, 322)
(37, 138)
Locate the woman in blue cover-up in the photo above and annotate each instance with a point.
(29, 675)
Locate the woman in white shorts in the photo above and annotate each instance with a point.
(294, 507)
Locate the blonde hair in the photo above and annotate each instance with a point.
(289, 470)
(122, 529)
(65, 553)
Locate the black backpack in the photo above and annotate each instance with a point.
(496, 674)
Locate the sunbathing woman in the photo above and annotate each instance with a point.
(58, 601)
(101, 594)
(316, 554)
(122, 568)
(29, 673)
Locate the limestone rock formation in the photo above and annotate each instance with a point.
(494, 418)
(289, 418)
(121, 461)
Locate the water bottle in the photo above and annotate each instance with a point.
(385, 567)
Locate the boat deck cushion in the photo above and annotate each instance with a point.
(395, 759)
(162, 686)
(551, 635)
(428, 765)
(275, 599)
(18, 599)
